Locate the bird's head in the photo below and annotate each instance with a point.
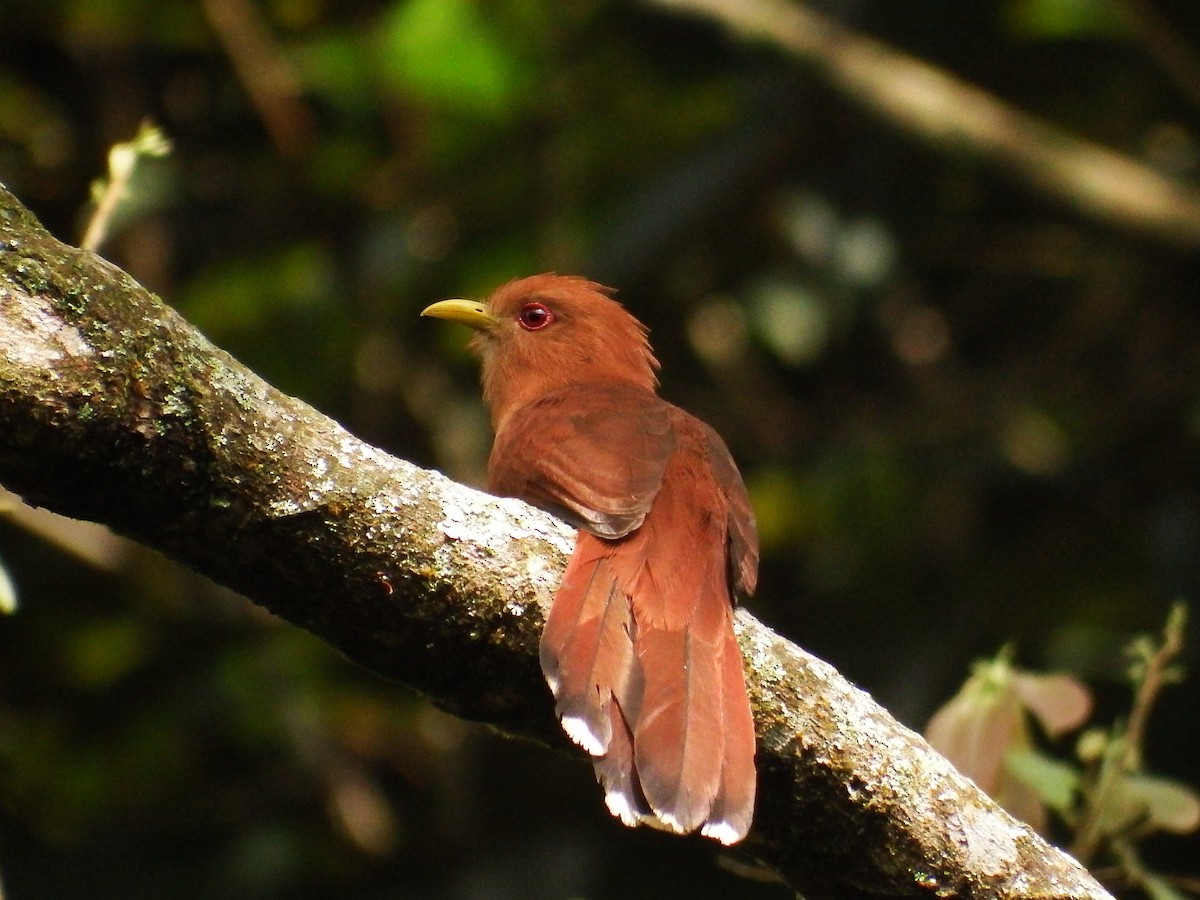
(545, 332)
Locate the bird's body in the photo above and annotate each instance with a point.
(639, 648)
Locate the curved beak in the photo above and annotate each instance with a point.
(466, 312)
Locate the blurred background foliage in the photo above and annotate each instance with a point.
(967, 414)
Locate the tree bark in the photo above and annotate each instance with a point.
(115, 410)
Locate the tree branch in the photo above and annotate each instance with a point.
(929, 104)
(113, 409)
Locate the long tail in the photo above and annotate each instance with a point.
(659, 703)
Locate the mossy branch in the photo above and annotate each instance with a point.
(113, 409)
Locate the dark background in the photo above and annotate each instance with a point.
(967, 414)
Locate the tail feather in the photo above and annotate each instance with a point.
(616, 773)
(679, 735)
(587, 647)
(652, 687)
(733, 808)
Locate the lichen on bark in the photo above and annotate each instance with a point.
(113, 409)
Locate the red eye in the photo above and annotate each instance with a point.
(534, 316)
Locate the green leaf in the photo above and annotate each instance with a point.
(1160, 889)
(448, 53)
(1169, 805)
(1059, 19)
(335, 65)
(781, 507)
(247, 293)
(103, 653)
(1055, 781)
(1092, 745)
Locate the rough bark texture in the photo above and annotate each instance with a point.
(113, 409)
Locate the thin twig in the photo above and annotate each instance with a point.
(1166, 48)
(1125, 751)
(274, 88)
(934, 106)
(1153, 680)
(109, 199)
(111, 192)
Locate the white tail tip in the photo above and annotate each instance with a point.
(621, 805)
(721, 831)
(578, 730)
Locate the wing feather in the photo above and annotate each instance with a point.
(592, 454)
(743, 530)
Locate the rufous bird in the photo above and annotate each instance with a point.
(638, 647)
